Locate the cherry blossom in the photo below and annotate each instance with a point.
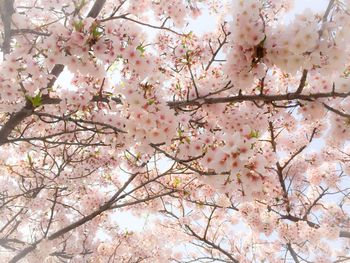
(227, 144)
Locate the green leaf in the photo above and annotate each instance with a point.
(36, 101)
(78, 25)
(179, 132)
(96, 32)
(238, 175)
(176, 182)
(107, 176)
(30, 159)
(141, 48)
(128, 233)
(254, 134)
(151, 101)
(200, 204)
(138, 156)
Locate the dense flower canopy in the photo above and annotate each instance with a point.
(232, 143)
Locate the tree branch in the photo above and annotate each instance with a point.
(96, 8)
(14, 120)
(265, 98)
(293, 253)
(6, 12)
(302, 82)
(345, 234)
(325, 16)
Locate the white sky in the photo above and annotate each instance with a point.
(204, 23)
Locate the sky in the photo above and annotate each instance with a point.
(317, 5)
(204, 23)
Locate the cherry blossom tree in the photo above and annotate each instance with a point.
(234, 143)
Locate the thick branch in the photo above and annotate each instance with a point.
(302, 82)
(345, 234)
(14, 120)
(325, 17)
(253, 98)
(24, 31)
(293, 253)
(6, 11)
(46, 99)
(96, 9)
(340, 113)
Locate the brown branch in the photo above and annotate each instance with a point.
(338, 112)
(52, 211)
(46, 99)
(208, 223)
(6, 12)
(253, 98)
(297, 219)
(87, 218)
(14, 120)
(144, 200)
(342, 259)
(345, 234)
(314, 203)
(221, 44)
(280, 169)
(302, 82)
(76, 121)
(23, 31)
(11, 220)
(125, 17)
(293, 156)
(293, 253)
(96, 8)
(182, 162)
(212, 244)
(192, 76)
(272, 134)
(325, 16)
(283, 186)
(24, 252)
